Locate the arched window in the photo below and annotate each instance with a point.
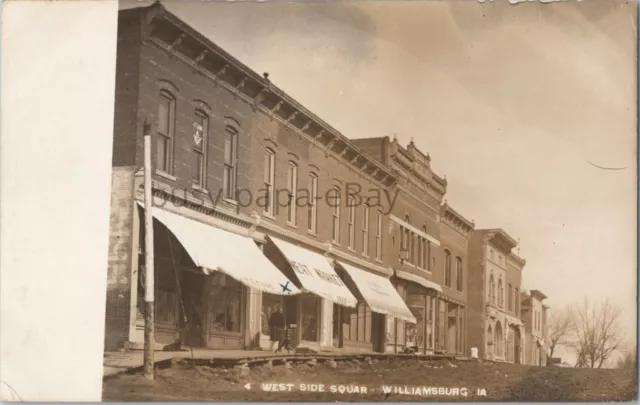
(492, 292)
(447, 268)
(165, 133)
(459, 276)
(335, 209)
(229, 175)
(500, 293)
(269, 180)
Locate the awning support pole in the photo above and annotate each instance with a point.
(149, 339)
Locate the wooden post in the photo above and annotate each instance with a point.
(149, 285)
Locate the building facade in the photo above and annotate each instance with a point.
(534, 315)
(494, 329)
(426, 268)
(252, 192)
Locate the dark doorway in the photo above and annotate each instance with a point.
(194, 309)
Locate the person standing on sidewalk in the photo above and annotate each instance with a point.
(276, 327)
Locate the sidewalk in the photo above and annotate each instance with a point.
(121, 362)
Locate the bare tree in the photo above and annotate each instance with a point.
(597, 333)
(560, 327)
(628, 358)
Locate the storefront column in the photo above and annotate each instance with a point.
(252, 318)
(135, 267)
(326, 323)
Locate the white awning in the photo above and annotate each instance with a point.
(316, 274)
(237, 256)
(379, 293)
(418, 279)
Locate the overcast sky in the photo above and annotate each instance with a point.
(511, 102)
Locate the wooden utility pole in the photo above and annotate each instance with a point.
(149, 273)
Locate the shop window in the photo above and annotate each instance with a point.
(356, 324)
(310, 310)
(225, 308)
(269, 303)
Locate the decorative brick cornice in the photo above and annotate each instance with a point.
(252, 88)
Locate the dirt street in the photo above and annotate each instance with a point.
(407, 380)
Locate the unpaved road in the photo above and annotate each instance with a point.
(416, 381)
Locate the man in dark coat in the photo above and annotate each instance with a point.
(276, 327)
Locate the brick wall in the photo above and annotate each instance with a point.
(457, 244)
(117, 314)
(476, 293)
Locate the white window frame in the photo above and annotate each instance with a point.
(335, 212)
(292, 184)
(365, 230)
(379, 236)
(351, 205)
(313, 203)
(269, 180)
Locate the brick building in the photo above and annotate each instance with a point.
(422, 263)
(251, 192)
(455, 231)
(534, 315)
(494, 326)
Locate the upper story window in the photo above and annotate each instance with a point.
(447, 268)
(492, 255)
(313, 203)
(379, 236)
(200, 135)
(230, 163)
(292, 184)
(269, 180)
(459, 275)
(165, 133)
(365, 230)
(351, 204)
(335, 213)
(492, 290)
(516, 297)
(500, 293)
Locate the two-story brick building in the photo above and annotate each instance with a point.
(534, 316)
(494, 326)
(455, 231)
(257, 202)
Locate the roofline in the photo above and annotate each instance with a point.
(447, 209)
(538, 294)
(161, 11)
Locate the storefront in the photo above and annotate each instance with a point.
(450, 317)
(206, 281)
(311, 312)
(420, 295)
(364, 326)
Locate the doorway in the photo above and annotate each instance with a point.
(194, 310)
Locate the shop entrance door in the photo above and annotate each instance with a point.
(192, 296)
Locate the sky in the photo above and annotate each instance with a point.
(514, 103)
